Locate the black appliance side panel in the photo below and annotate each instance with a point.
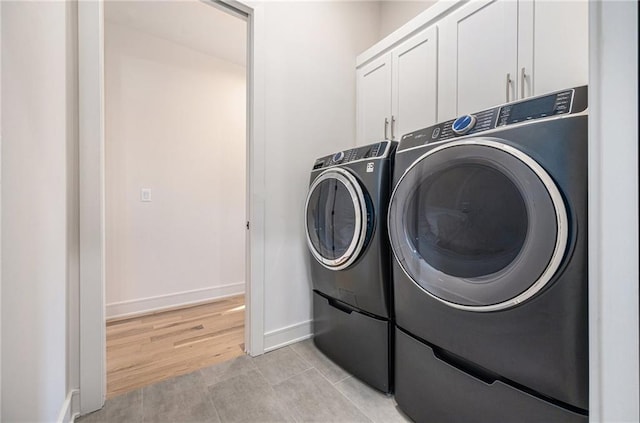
(356, 342)
(429, 389)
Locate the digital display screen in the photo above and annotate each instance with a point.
(532, 109)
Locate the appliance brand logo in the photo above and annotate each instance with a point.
(369, 167)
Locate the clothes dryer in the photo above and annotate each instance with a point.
(345, 219)
(488, 227)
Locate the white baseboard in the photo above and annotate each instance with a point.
(70, 407)
(287, 335)
(150, 304)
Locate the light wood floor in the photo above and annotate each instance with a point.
(150, 348)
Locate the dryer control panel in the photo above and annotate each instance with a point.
(569, 101)
(378, 150)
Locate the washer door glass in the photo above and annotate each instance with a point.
(478, 225)
(336, 218)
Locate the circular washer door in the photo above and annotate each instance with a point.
(336, 218)
(478, 225)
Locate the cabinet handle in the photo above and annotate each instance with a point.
(393, 122)
(386, 126)
(523, 76)
(508, 85)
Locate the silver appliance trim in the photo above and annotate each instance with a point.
(562, 222)
(357, 197)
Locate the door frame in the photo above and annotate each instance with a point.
(92, 320)
(614, 292)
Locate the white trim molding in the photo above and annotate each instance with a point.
(614, 374)
(0, 212)
(288, 335)
(139, 306)
(93, 382)
(256, 153)
(70, 407)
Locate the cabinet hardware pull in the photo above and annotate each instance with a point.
(508, 85)
(393, 122)
(523, 76)
(386, 125)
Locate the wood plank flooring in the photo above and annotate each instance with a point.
(146, 349)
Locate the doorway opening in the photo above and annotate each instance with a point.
(175, 156)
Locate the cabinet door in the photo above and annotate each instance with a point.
(553, 47)
(415, 83)
(480, 53)
(374, 100)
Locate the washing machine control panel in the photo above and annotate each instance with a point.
(562, 102)
(372, 151)
(540, 107)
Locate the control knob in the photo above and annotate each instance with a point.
(463, 124)
(338, 157)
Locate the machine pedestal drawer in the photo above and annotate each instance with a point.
(429, 389)
(357, 342)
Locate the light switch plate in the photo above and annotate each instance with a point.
(145, 195)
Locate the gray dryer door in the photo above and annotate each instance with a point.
(478, 224)
(336, 218)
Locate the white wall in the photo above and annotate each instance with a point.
(175, 123)
(34, 210)
(394, 14)
(613, 212)
(191, 23)
(310, 52)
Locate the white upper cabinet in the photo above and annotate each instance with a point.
(479, 53)
(559, 42)
(463, 57)
(415, 83)
(397, 92)
(495, 51)
(373, 85)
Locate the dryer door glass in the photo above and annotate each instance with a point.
(468, 220)
(477, 225)
(335, 218)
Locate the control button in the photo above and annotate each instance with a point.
(435, 133)
(463, 124)
(337, 157)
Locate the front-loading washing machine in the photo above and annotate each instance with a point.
(488, 228)
(345, 219)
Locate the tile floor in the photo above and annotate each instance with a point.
(293, 384)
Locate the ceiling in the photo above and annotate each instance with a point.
(191, 23)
